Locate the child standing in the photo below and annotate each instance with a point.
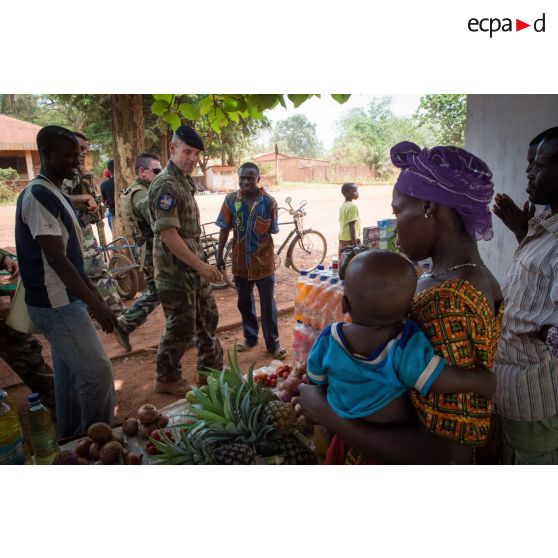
(349, 219)
(369, 364)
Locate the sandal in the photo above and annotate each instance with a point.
(280, 353)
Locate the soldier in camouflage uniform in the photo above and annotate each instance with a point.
(182, 276)
(23, 352)
(94, 263)
(136, 222)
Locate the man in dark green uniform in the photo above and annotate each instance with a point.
(182, 276)
(136, 223)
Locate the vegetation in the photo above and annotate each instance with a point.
(296, 136)
(444, 117)
(8, 190)
(365, 136)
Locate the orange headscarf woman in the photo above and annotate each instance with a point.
(441, 202)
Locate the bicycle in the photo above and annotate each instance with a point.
(210, 243)
(122, 267)
(306, 250)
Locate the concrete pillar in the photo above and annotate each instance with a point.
(29, 164)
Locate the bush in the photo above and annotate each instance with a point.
(8, 186)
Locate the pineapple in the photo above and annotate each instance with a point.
(281, 416)
(294, 451)
(234, 453)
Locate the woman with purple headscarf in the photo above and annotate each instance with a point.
(441, 202)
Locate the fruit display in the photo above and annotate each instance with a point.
(234, 420)
(105, 446)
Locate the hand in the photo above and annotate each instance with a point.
(489, 387)
(11, 266)
(210, 273)
(90, 202)
(516, 219)
(314, 404)
(104, 315)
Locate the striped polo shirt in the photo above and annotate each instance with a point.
(44, 210)
(527, 387)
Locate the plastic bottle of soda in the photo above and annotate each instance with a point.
(43, 434)
(335, 266)
(298, 342)
(300, 294)
(337, 314)
(12, 450)
(323, 314)
(305, 289)
(313, 298)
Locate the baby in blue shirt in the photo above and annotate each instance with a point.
(368, 365)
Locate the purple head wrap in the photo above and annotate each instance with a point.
(451, 177)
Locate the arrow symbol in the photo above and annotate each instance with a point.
(519, 25)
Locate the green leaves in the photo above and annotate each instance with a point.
(297, 100)
(222, 110)
(341, 98)
(189, 111)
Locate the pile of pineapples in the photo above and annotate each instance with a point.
(234, 421)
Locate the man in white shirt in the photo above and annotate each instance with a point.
(58, 293)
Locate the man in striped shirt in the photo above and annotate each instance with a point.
(527, 359)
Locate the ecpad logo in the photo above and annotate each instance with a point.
(493, 25)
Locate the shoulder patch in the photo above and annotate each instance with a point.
(166, 202)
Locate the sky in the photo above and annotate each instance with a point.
(325, 112)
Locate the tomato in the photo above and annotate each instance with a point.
(273, 382)
(273, 376)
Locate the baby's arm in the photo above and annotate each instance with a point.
(465, 380)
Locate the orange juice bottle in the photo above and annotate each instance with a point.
(300, 294)
(311, 300)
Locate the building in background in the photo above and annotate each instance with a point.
(18, 148)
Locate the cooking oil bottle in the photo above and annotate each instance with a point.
(12, 449)
(43, 434)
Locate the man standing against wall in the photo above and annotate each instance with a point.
(182, 277)
(251, 214)
(136, 222)
(527, 359)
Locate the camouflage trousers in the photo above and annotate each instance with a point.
(97, 270)
(24, 354)
(146, 303)
(191, 318)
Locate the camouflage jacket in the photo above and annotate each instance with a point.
(140, 210)
(172, 204)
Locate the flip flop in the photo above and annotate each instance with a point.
(280, 353)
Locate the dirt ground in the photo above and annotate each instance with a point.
(134, 372)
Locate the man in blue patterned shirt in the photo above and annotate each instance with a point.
(251, 214)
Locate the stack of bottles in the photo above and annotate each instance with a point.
(317, 304)
(13, 448)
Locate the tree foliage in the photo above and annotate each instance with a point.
(221, 110)
(444, 116)
(365, 136)
(296, 136)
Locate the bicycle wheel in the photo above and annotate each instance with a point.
(228, 280)
(127, 282)
(307, 251)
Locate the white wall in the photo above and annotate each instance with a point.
(499, 128)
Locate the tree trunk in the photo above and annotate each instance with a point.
(164, 148)
(127, 143)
